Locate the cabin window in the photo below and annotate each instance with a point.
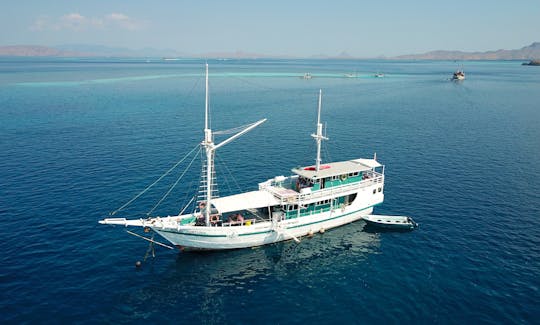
(293, 207)
(325, 202)
(380, 189)
(374, 191)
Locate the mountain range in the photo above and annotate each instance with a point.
(529, 52)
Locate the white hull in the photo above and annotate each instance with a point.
(219, 238)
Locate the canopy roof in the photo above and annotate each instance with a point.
(337, 168)
(248, 200)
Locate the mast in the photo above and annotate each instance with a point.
(318, 137)
(210, 149)
(208, 146)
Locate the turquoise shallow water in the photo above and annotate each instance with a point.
(78, 138)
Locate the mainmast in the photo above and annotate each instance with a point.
(319, 137)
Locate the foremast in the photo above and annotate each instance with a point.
(318, 136)
(208, 145)
(210, 149)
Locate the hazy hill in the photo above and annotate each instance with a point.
(530, 52)
(35, 50)
(525, 53)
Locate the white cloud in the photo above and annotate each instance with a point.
(123, 21)
(77, 22)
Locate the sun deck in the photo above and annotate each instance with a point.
(336, 168)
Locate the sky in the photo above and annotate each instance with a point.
(301, 28)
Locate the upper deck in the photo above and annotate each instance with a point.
(331, 180)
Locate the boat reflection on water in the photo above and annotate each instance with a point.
(203, 282)
(327, 249)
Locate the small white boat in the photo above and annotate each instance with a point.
(458, 75)
(307, 76)
(394, 222)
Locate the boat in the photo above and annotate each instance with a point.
(312, 199)
(458, 75)
(307, 75)
(390, 222)
(379, 75)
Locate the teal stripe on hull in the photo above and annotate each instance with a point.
(343, 215)
(269, 231)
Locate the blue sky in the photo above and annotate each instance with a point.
(277, 27)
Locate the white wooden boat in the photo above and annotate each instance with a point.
(313, 199)
(393, 222)
(458, 75)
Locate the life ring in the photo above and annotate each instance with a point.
(343, 177)
(214, 218)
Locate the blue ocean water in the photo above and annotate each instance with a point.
(80, 137)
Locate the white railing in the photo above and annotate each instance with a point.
(277, 189)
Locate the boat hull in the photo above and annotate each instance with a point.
(390, 222)
(264, 233)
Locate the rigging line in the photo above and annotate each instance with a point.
(187, 205)
(187, 195)
(175, 183)
(231, 175)
(233, 130)
(154, 183)
(220, 163)
(251, 83)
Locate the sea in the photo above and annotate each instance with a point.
(81, 137)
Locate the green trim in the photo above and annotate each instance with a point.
(343, 215)
(188, 234)
(256, 233)
(269, 231)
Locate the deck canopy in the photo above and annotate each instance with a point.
(372, 163)
(337, 168)
(248, 200)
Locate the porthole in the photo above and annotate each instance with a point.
(380, 189)
(374, 191)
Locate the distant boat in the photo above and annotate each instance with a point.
(392, 222)
(532, 62)
(307, 76)
(458, 75)
(379, 75)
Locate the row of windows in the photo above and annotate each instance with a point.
(343, 176)
(322, 202)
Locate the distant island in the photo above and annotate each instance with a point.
(36, 50)
(529, 53)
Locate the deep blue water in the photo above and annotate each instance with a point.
(78, 138)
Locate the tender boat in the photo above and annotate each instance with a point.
(393, 222)
(313, 199)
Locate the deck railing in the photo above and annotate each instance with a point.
(276, 188)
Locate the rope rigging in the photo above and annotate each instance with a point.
(175, 183)
(234, 130)
(155, 182)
